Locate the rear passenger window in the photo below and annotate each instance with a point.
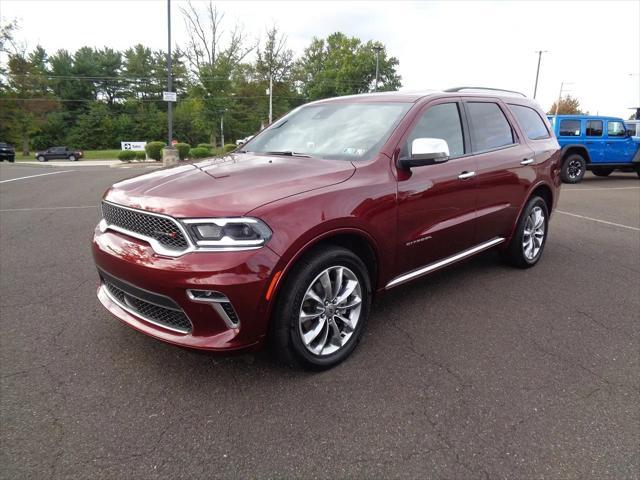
(489, 127)
(439, 121)
(594, 128)
(530, 122)
(570, 128)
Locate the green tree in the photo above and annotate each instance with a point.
(342, 65)
(568, 106)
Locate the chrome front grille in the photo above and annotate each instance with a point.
(130, 298)
(164, 230)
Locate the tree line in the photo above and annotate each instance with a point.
(94, 98)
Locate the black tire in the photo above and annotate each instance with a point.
(286, 327)
(72, 158)
(573, 168)
(601, 171)
(12, 159)
(42, 159)
(514, 254)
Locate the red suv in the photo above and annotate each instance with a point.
(289, 237)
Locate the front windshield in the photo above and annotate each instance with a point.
(336, 130)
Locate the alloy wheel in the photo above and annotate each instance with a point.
(533, 236)
(574, 169)
(330, 310)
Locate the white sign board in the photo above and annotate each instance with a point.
(170, 96)
(135, 146)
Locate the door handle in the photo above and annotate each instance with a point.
(526, 161)
(465, 175)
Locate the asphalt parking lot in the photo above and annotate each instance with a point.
(479, 371)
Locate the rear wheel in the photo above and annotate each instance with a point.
(323, 309)
(526, 245)
(601, 171)
(573, 168)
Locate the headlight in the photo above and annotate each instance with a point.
(228, 232)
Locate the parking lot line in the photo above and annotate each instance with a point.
(598, 220)
(32, 176)
(598, 188)
(46, 208)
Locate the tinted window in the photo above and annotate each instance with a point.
(489, 127)
(530, 122)
(616, 129)
(594, 128)
(439, 121)
(570, 128)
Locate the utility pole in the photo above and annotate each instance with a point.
(377, 49)
(169, 75)
(270, 98)
(562, 84)
(535, 88)
(222, 130)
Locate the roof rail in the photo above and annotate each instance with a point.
(494, 90)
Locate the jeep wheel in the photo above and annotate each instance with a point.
(526, 245)
(322, 312)
(602, 171)
(573, 169)
(41, 159)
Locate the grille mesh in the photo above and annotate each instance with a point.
(162, 229)
(175, 319)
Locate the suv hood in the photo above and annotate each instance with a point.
(228, 186)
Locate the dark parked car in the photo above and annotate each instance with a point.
(59, 153)
(7, 152)
(288, 239)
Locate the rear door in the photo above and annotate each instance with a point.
(594, 140)
(620, 147)
(505, 166)
(436, 203)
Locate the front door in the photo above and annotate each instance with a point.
(436, 203)
(620, 147)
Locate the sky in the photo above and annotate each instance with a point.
(592, 46)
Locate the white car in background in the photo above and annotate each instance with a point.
(244, 140)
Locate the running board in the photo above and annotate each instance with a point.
(444, 262)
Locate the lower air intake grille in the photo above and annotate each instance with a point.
(173, 319)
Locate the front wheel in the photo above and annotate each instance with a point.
(72, 158)
(573, 169)
(527, 243)
(322, 309)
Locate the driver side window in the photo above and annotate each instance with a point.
(439, 121)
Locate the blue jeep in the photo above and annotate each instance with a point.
(599, 144)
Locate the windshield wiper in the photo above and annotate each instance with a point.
(287, 153)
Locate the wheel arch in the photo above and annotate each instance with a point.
(576, 148)
(358, 241)
(542, 190)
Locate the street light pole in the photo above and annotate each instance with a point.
(169, 75)
(535, 88)
(270, 98)
(377, 49)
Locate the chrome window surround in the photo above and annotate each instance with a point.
(157, 247)
(131, 311)
(215, 303)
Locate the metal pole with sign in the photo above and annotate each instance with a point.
(169, 75)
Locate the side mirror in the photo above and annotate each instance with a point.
(426, 151)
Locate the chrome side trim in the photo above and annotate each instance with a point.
(443, 263)
(215, 304)
(129, 310)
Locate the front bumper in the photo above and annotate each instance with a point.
(242, 277)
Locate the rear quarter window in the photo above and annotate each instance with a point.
(530, 121)
(569, 128)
